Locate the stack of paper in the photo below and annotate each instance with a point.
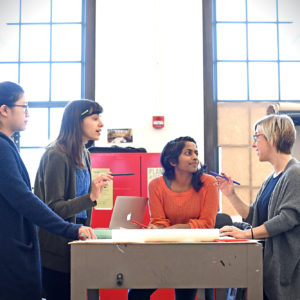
(165, 235)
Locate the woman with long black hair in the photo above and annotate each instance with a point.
(184, 197)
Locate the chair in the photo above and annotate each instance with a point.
(222, 220)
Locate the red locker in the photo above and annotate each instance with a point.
(135, 185)
(123, 185)
(148, 160)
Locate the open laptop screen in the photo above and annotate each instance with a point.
(128, 208)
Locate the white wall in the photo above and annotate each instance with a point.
(149, 62)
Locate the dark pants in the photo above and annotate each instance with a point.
(144, 294)
(265, 297)
(56, 285)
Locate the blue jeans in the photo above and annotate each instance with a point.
(145, 294)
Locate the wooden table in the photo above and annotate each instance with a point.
(104, 264)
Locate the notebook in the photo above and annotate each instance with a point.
(128, 208)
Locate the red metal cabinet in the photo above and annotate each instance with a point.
(122, 185)
(148, 160)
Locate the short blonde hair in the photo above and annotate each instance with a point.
(279, 130)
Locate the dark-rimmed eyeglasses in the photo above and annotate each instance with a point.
(26, 107)
(255, 136)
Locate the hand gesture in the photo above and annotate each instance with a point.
(225, 185)
(98, 185)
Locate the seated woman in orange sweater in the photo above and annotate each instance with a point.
(183, 197)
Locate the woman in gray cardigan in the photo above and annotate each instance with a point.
(275, 214)
(64, 183)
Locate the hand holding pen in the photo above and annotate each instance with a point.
(225, 184)
(224, 177)
(101, 181)
(98, 185)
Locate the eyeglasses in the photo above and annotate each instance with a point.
(255, 136)
(26, 107)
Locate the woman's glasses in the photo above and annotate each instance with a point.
(255, 136)
(25, 106)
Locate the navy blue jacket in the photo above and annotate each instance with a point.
(20, 212)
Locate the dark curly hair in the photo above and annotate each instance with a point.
(171, 152)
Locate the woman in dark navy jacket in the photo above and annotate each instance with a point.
(20, 209)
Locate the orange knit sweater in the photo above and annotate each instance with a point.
(198, 209)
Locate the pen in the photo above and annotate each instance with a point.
(121, 174)
(218, 175)
(138, 223)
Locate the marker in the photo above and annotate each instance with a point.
(121, 174)
(218, 175)
(138, 223)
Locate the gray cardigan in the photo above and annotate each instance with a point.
(55, 184)
(282, 248)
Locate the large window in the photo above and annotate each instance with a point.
(42, 47)
(256, 65)
(257, 50)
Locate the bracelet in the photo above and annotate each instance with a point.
(252, 233)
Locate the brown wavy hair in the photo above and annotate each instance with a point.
(69, 139)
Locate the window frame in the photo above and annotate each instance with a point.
(87, 61)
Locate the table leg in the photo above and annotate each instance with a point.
(221, 294)
(201, 294)
(93, 294)
(255, 274)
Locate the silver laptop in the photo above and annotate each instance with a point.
(128, 208)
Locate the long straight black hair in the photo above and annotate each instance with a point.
(69, 139)
(171, 152)
(10, 93)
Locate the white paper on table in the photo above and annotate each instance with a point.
(164, 235)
